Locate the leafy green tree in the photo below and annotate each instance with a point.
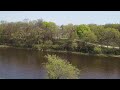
(51, 30)
(85, 34)
(93, 27)
(60, 69)
(68, 31)
(115, 26)
(110, 36)
(117, 41)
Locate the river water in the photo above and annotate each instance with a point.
(28, 64)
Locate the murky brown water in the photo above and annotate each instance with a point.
(27, 64)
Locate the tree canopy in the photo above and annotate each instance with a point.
(48, 35)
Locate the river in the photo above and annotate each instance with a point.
(28, 64)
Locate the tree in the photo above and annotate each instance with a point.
(93, 27)
(69, 32)
(118, 40)
(19, 38)
(85, 34)
(50, 29)
(115, 26)
(99, 31)
(110, 36)
(60, 69)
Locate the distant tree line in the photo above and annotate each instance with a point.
(43, 35)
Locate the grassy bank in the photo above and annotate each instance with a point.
(61, 51)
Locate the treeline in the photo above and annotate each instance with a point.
(42, 35)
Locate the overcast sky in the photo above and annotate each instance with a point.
(64, 17)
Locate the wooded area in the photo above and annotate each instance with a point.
(43, 35)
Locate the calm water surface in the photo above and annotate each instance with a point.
(28, 64)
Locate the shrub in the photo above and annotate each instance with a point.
(38, 47)
(60, 69)
(56, 47)
(97, 50)
(111, 51)
(49, 42)
(47, 45)
(74, 45)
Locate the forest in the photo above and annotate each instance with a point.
(43, 35)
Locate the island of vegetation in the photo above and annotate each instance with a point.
(58, 68)
(47, 36)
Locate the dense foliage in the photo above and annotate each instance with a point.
(42, 35)
(60, 69)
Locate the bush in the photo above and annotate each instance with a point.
(74, 46)
(49, 42)
(97, 50)
(60, 69)
(47, 45)
(38, 47)
(111, 51)
(56, 47)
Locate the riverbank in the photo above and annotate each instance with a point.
(99, 55)
(60, 51)
(4, 46)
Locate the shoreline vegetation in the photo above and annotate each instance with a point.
(60, 51)
(58, 68)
